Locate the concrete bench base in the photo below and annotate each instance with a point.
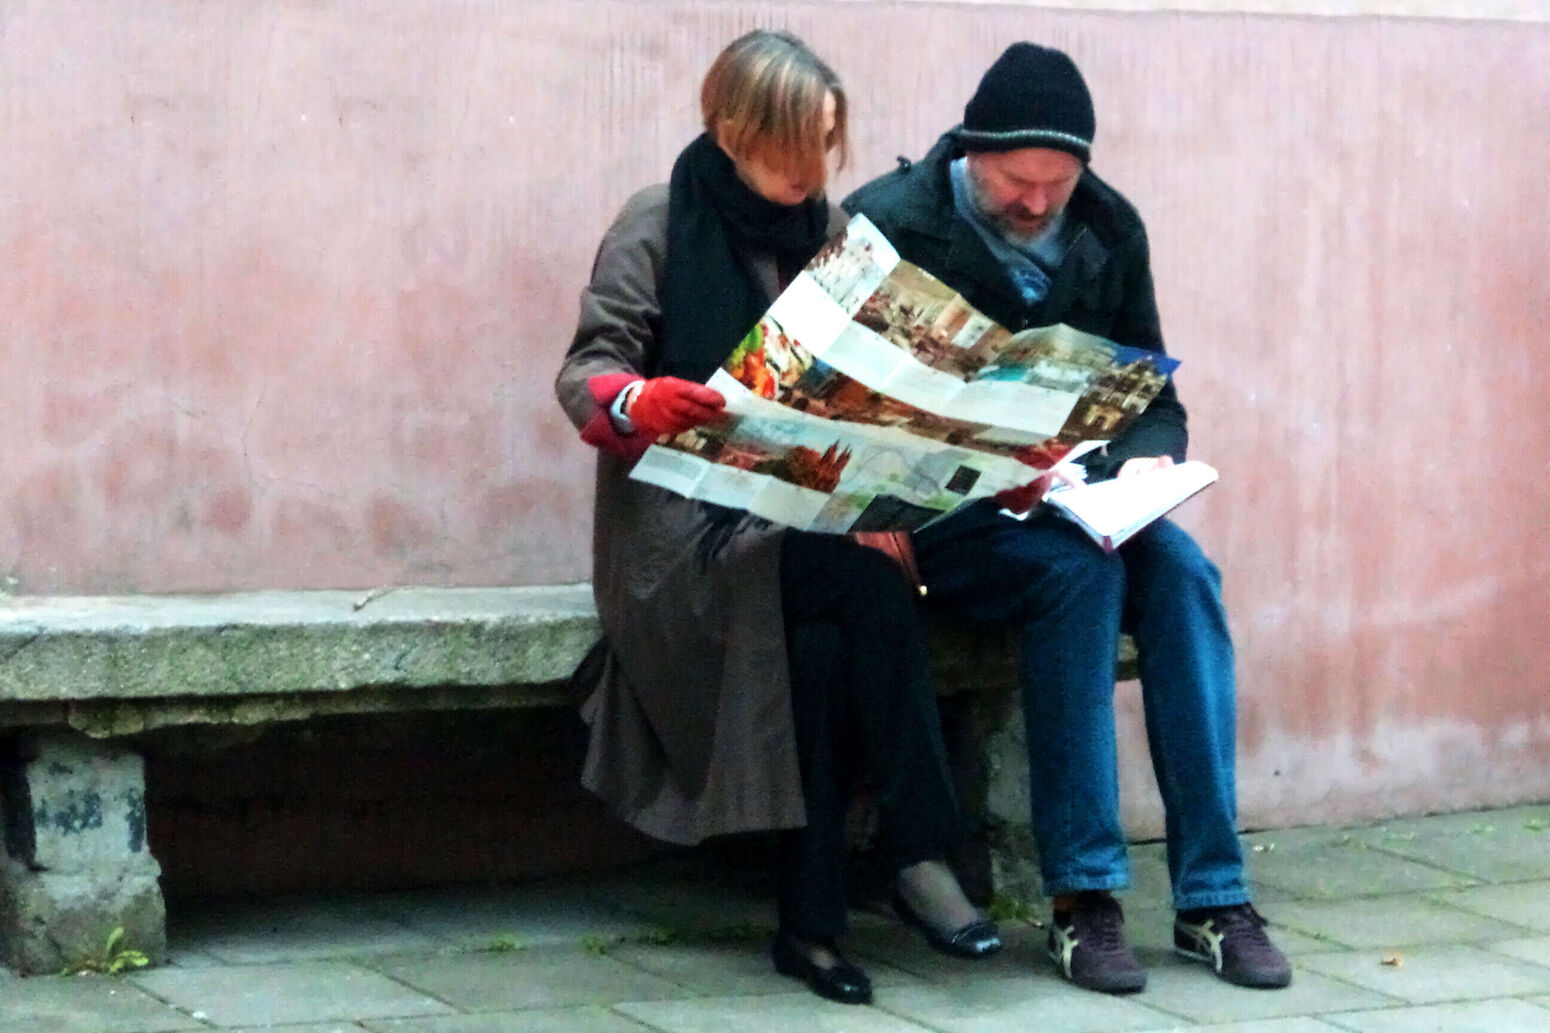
(76, 864)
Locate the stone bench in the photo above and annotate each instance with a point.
(79, 674)
(82, 677)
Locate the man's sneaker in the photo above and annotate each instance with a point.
(1234, 942)
(1087, 944)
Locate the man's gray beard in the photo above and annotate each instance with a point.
(1021, 241)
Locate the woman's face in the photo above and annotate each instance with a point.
(782, 186)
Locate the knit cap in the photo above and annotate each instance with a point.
(1032, 96)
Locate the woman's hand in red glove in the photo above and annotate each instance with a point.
(668, 405)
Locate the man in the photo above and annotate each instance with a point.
(1005, 210)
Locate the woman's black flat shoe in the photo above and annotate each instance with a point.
(842, 981)
(978, 939)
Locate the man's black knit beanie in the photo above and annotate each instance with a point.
(1032, 96)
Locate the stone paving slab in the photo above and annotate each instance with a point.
(1500, 846)
(1303, 838)
(538, 978)
(1391, 922)
(310, 1027)
(1193, 992)
(1535, 949)
(537, 914)
(273, 995)
(1300, 1024)
(85, 1004)
(293, 929)
(1508, 1015)
(1522, 903)
(728, 969)
(686, 899)
(1475, 957)
(1343, 867)
(776, 1013)
(587, 1019)
(1427, 975)
(182, 955)
(1020, 1005)
(1457, 823)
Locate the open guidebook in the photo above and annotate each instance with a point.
(1111, 511)
(872, 397)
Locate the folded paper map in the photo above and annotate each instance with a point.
(872, 397)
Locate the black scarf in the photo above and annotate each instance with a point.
(710, 298)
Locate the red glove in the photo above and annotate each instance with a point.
(1021, 500)
(668, 405)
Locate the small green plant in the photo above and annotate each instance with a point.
(669, 936)
(1007, 908)
(659, 936)
(1537, 824)
(598, 945)
(735, 932)
(114, 959)
(505, 944)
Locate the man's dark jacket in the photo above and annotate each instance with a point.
(1103, 284)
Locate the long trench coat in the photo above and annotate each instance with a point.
(691, 727)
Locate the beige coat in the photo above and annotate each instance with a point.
(691, 732)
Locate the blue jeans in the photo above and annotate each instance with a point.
(1070, 599)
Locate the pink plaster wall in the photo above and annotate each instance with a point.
(283, 286)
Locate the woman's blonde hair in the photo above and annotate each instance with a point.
(764, 97)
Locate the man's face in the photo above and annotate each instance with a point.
(1021, 192)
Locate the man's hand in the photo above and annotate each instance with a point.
(668, 405)
(1143, 464)
(1021, 500)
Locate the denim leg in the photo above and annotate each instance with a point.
(1189, 695)
(1067, 596)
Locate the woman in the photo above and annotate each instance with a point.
(744, 662)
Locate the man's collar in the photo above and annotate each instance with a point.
(930, 206)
